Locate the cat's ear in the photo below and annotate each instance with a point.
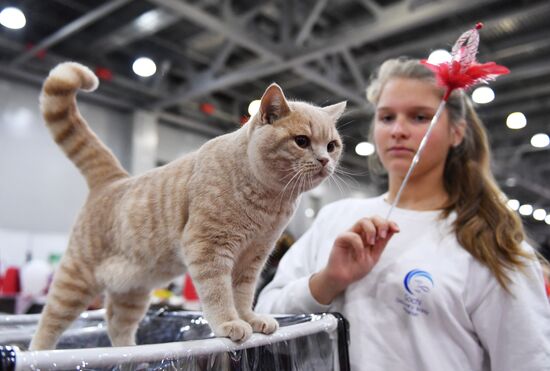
(273, 105)
(335, 110)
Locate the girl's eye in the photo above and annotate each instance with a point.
(302, 141)
(331, 146)
(386, 118)
(422, 118)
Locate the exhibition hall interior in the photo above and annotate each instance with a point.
(174, 74)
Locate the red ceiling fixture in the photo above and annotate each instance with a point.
(207, 108)
(40, 54)
(244, 119)
(104, 73)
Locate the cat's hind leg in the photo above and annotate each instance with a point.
(124, 312)
(70, 293)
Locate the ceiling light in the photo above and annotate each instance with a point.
(539, 214)
(513, 204)
(310, 213)
(364, 149)
(516, 120)
(439, 56)
(12, 18)
(149, 21)
(144, 67)
(511, 182)
(540, 140)
(254, 107)
(526, 210)
(483, 95)
(547, 219)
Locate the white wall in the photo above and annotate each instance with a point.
(174, 142)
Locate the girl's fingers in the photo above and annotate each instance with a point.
(394, 227)
(366, 229)
(382, 227)
(353, 241)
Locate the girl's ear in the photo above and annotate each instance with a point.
(273, 105)
(458, 131)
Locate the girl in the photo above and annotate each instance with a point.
(456, 287)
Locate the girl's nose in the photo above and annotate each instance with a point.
(400, 128)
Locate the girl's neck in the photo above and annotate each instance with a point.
(421, 193)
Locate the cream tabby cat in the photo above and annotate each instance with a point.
(216, 212)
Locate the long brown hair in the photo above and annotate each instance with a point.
(484, 225)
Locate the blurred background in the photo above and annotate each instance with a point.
(176, 73)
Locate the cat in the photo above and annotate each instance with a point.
(216, 213)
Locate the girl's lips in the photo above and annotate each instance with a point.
(400, 150)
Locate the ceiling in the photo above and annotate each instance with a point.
(214, 57)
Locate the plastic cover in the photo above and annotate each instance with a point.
(170, 340)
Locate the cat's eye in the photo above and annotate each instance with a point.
(302, 141)
(331, 146)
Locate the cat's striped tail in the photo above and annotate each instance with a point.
(69, 129)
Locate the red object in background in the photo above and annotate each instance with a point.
(547, 286)
(11, 284)
(244, 119)
(207, 108)
(40, 54)
(104, 73)
(189, 293)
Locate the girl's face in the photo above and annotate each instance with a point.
(403, 114)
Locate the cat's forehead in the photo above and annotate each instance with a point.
(311, 119)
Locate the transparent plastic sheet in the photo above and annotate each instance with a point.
(171, 340)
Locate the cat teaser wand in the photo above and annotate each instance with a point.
(461, 72)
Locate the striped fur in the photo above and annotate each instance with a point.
(69, 130)
(216, 212)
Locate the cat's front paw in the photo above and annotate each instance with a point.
(237, 330)
(263, 323)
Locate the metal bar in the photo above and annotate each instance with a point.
(204, 19)
(330, 85)
(354, 70)
(70, 29)
(221, 58)
(310, 21)
(386, 25)
(106, 357)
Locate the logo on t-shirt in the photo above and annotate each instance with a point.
(417, 284)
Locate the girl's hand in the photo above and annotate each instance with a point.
(353, 255)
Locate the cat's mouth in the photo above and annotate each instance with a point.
(323, 173)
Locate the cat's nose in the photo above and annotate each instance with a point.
(323, 160)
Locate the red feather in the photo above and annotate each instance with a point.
(463, 70)
(452, 76)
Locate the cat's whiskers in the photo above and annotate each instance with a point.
(281, 194)
(348, 176)
(290, 173)
(298, 183)
(333, 178)
(342, 170)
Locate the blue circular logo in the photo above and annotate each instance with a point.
(418, 282)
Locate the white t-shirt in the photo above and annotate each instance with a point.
(426, 305)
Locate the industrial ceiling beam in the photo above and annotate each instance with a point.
(70, 29)
(391, 20)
